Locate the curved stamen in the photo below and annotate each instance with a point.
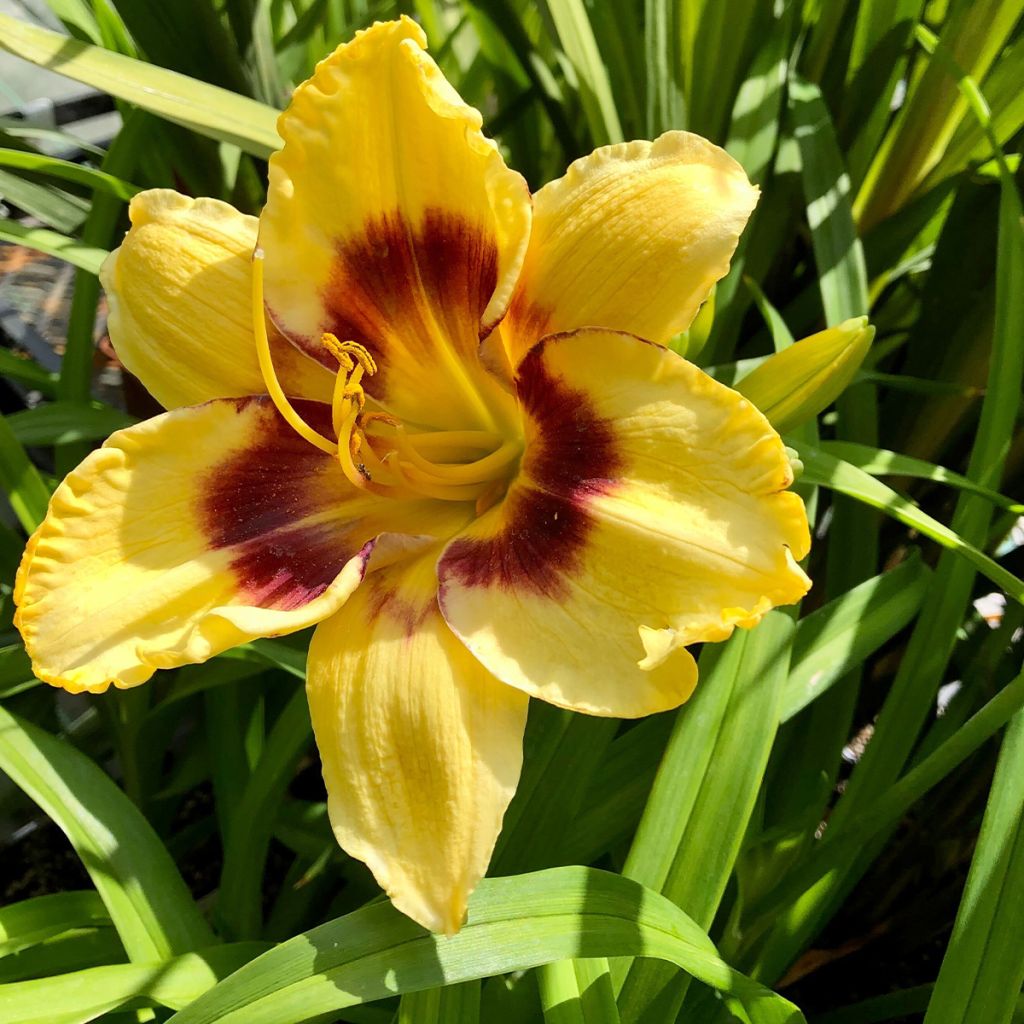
(488, 468)
(483, 439)
(415, 481)
(273, 385)
(403, 470)
(350, 448)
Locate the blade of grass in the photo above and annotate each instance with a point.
(881, 462)
(828, 471)
(878, 62)
(35, 920)
(975, 32)
(278, 653)
(562, 754)
(60, 422)
(1002, 91)
(665, 105)
(76, 371)
(239, 902)
(983, 966)
(576, 36)
(84, 995)
(74, 950)
(15, 129)
(832, 854)
(842, 273)
(924, 663)
(98, 181)
(450, 1004)
(207, 109)
(504, 16)
(135, 876)
(839, 636)
(615, 798)
(726, 39)
(577, 992)
(836, 638)
(514, 924)
(20, 480)
(754, 129)
(53, 243)
(190, 36)
(55, 207)
(26, 371)
(811, 750)
(703, 796)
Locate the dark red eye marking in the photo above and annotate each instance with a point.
(571, 456)
(401, 281)
(255, 503)
(527, 322)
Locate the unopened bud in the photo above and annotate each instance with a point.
(794, 385)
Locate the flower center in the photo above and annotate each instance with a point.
(375, 450)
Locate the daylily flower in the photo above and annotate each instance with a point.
(440, 423)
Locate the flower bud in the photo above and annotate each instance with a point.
(794, 385)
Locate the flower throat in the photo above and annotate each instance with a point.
(374, 449)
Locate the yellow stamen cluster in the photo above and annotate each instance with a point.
(374, 450)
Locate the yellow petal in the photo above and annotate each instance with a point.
(190, 533)
(180, 294)
(631, 239)
(392, 221)
(650, 513)
(794, 385)
(421, 746)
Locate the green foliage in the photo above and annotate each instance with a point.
(717, 851)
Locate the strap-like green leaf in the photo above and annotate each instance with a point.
(828, 471)
(145, 896)
(35, 920)
(59, 422)
(840, 635)
(85, 995)
(207, 109)
(53, 243)
(514, 924)
(20, 480)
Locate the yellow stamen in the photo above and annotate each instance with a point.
(274, 389)
(351, 449)
(403, 470)
(480, 471)
(482, 439)
(353, 362)
(415, 481)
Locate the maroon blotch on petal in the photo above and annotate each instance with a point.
(255, 502)
(395, 280)
(571, 456)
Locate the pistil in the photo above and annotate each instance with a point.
(374, 449)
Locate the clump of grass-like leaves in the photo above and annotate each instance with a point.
(815, 820)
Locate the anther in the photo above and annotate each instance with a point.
(349, 353)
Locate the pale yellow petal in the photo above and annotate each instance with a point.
(180, 294)
(421, 746)
(392, 221)
(191, 533)
(631, 238)
(650, 513)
